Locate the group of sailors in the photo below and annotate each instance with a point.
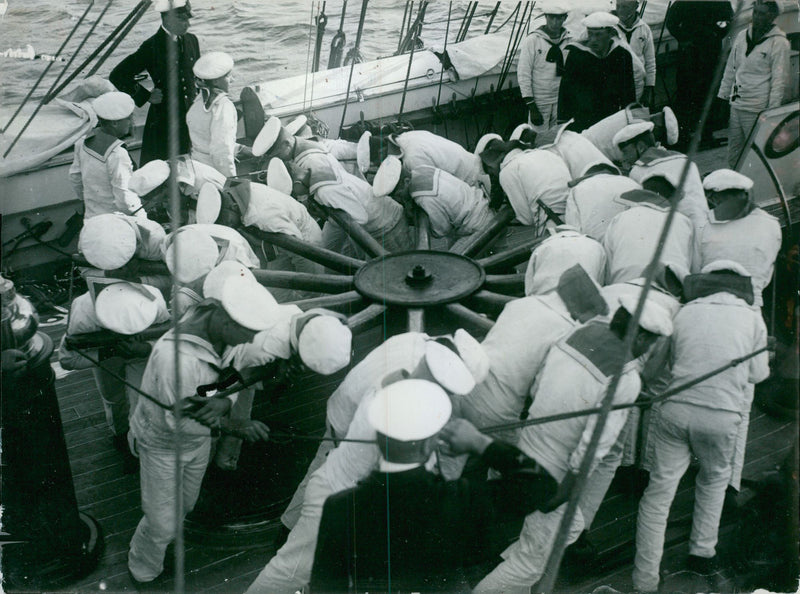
(403, 422)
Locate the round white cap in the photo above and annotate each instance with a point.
(387, 176)
(448, 369)
(250, 304)
(212, 65)
(671, 124)
(148, 177)
(631, 131)
(728, 265)
(484, 140)
(296, 124)
(324, 344)
(278, 177)
(113, 106)
(654, 318)
(209, 203)
(363, 153)
(127, 308)
(267, 137)
(600, 20)
(410, 410)
(107, 241)
(553, 7)
(726, 179)
(215, 281)
(517, 133)
(198, 253)
(164, 5)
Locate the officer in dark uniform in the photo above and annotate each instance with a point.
(152, 57)
(699, 26)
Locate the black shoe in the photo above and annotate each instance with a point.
(154, 585)
(582, 554)
(702, 565)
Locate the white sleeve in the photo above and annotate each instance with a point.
(759, 365)
(649, 54)
(120, 168)
(75, 177)
(525, 69)
(780, 70)
(728, 77)
(223, 138)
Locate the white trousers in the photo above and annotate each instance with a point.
(737, 464)
(291, 516)
(156, 529)
(739, 127)
(525, 560)
(679, 431)
(118, 399)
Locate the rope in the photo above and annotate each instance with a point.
(308, 59)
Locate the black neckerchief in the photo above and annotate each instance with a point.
(555, 55)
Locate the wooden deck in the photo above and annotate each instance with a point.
(112, 498)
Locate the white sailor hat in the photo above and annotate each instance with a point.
(473, 354)
(654, 317)
(553, 7)
(728, 265)
(296, 124)
(409, 410)
(671, 125)
(484, 140)
(726, 179)
(363, 152)
(305, 132)
(267, 137)
(448, 369)
(600, 20)
(631, 131)
(148, 177)
(215, 280)
(198, 253)
(212, 65)
(209, 203)
(517, 133)
(250, 304)
(128, 308)
(321, 340)
(278, 177)
(113, 106)
(387, 176)
(165, 5)
(107, 241)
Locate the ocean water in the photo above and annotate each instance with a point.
(269, 39)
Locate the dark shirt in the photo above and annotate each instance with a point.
(413, 531)
(695, 21)
(593, 88)
(152, 58)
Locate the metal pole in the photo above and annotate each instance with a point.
(99, 48)
(353, 62)
(41, 76)
(119, 38)
(408, 70)
(444, 51)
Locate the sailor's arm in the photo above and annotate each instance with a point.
(779, 63)
(729, 75)
(525, 70)
(223, 139)
(120, 168)
(75, 177)
(123, 76)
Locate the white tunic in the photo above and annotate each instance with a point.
(421, 147)
(578, 152)
(213, 133)
(453, 207)
(537, 77)
(592, 203)
(558, 253)
(753, 241)
(101, 181)
(632, 237)
(276, 212)
(529, 176)
(708, 333)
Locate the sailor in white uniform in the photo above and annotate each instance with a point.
(632, 236)
(739, 231)
(332, 186)
(646, 159)
(101, 166)
(588, 356)
(212, 119)
(703, 421)
(593, 199)
(565, 247)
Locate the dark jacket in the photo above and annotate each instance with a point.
(152, 57)
(593, 88)
(413, 531)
